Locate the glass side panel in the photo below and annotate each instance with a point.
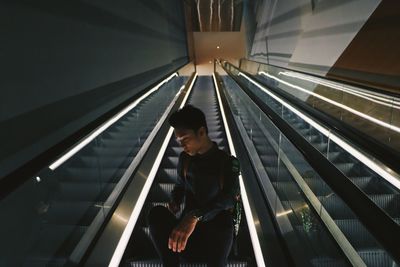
(305, 231)
(374, 114)
(51, 218)
(371, 183)
(298, 185)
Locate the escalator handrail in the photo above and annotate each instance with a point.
(386, 155)
(13, 180)
(110, 242)
(351, 83)
(378, 223)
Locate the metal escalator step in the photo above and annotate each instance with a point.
(215, 128)
(157, 263)
(215, 135)
(269, 160)
(220, 141)
(265, 149)
(321, 147)
(170, 162)
(174, 150)
(119, 143)
(388, 202)
(318, 186)
(167, 175)
(287, 190)
(112, 152)
(335, 156)
(336, 208)
(273, 174)
(361, 181)
(166, 187)
(347, 168)
(160, 192)
(94, 161)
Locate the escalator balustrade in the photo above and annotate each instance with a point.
(140, 251)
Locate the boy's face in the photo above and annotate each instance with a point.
(191, 141)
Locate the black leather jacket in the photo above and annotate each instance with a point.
(201, 189)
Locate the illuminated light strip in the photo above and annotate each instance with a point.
(338, 86)
(356, 112)
(249, 216)
(389, 102)
(123, 242)
(107, 124)
(386, 173)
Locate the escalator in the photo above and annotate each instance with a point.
(140, 251)
(76, 212)
(62, 207)
(329, 205)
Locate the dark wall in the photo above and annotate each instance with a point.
(64, 63)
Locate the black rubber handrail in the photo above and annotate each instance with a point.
(276, 245)
(13, 180)
(377, 222)
(347, 82)
(376, 149)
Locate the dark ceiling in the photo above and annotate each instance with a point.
(216, 15)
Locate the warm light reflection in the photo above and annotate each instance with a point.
(283, 213)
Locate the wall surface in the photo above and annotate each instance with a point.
(232, 47)
(354, 40)
(65, 63)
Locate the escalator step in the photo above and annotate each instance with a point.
(156, 263)
(376, 257)
(71, 213)
(167, 175)
(356, 233)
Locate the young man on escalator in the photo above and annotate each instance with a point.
(207, 185)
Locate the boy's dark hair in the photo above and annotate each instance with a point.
(188, 117)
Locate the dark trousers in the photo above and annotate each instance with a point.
(210, 241)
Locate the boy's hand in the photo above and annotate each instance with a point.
(180, 235)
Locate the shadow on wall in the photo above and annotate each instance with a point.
(349, 40)
(67, 63)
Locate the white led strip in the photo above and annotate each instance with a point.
(386, 173)
(356, 112)
(249, 216)
(123, 242)
(107, 124)
(374, 97)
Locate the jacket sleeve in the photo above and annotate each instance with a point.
(178, 192)
(226, 198)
